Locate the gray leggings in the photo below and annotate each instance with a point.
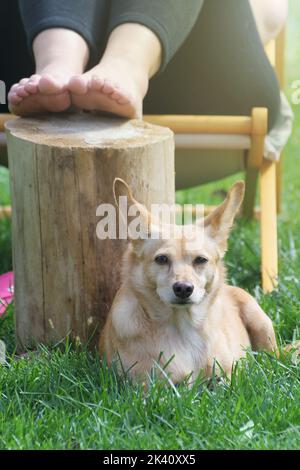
(213, 58)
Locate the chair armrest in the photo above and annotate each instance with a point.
(3, 118)
(194, 124)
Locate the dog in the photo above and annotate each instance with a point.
(174, 310)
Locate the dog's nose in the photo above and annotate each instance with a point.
(183, 289)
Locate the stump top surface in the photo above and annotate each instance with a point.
(85, 130)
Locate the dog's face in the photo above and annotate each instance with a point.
(182, 269)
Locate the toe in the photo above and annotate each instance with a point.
(35, 78)
(123, 100)
(20, 91)
(95, 83)
(14, 99)
(78, 84)
(23, 81)
(40, 103)
(121, 97)
(14, 87)
(32, 87)
(116, 95)
(58, 103)
(50, 85)
(108, 88)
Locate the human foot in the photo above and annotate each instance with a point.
(44, 92)
(115, 86)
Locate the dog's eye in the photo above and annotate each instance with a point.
(161, 259)
(200, 260)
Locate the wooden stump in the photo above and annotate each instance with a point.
(62, 168)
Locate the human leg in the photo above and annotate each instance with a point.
(270, 17)
(142, 38)
(221, 68)
(63, 37)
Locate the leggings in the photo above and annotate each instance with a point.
(213, 61)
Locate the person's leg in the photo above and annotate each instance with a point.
(270, 17)
(221, 69)
(64, 36)
(143, 35)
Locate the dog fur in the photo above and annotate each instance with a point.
(210, 330)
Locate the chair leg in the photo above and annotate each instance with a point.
(254, 157)
(250, 192)
(279, 170)
(269, 249)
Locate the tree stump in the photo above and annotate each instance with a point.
(62, 168)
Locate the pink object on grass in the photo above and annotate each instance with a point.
(6, 290)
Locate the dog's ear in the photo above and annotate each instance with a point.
(129, 206)
(219, 222)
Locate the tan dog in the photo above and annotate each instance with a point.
(174, 306)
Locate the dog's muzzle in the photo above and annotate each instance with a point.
(183, 289)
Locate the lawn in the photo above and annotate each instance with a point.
(66, 399)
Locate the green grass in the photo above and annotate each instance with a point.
(66, 399)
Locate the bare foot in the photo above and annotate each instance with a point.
(40, 93)
(115, 86)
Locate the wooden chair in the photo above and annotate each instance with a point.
(212, 147)
(241, 139)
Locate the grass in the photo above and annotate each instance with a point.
(66, 399)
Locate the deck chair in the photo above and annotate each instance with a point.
(208, 148)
